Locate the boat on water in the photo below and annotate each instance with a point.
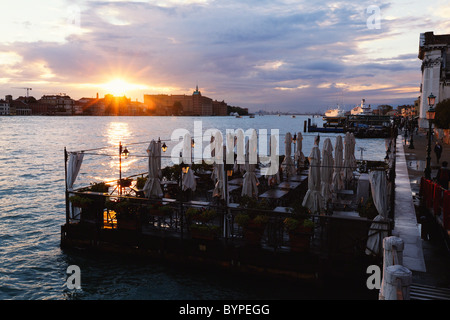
(362, 109)
(336, 112)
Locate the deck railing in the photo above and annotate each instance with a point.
(331, 235)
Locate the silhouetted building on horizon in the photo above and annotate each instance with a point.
(187, 105)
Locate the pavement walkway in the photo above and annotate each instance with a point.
(435, 254)
(405, 221)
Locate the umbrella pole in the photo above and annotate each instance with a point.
(65, 180)
(120, 168)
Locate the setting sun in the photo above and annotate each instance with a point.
(120, 87)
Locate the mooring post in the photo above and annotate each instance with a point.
(398, 283)
(392, 255)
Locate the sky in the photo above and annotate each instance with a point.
(281, 55)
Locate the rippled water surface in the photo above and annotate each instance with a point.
(32, 208)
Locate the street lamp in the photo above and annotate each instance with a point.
(430, 117)
(125, 153)
(411, 142)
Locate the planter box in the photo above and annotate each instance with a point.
(203, 234)
(300, 239)
(253, 233)
(127, 224)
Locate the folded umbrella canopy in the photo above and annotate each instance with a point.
(338, 173)
(152, 187)
(250, 182)
(272, 173)
(239, 164)
(349, 156)
(218, 166)
(378, 231)
(188, 179)
(313, 198)
(326, 170)
(288, 163)
(299, 157)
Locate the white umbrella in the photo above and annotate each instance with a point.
(250, 182)
(338, 183)
(272, 173)
(326, 172)
(239, 165)
(378, 231)
(218, 166)
(288, 164)
(152, 187)
(313, 198)
(188, 179)
(349, 156)
(299, 157)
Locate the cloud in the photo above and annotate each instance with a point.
(246, 53)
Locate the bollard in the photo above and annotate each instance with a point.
(398, 283)
(392, 255)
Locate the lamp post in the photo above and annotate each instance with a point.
(430, 118)
(411, 140)
(125, 154)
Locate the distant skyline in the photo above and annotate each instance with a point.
(283, 55)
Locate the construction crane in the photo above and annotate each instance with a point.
(23, 88)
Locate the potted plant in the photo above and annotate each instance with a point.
(126, 215)
(300, 231)
(204, 231)
(253, 228)
(140, 182)
(101, 187)
(200, 223)
(80, 201)
(124, 182)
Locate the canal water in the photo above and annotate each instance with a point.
(32, 209)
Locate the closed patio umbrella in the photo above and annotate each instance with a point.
(239, 164)
(188, 179)
(378, 231)
(152, 187)
(250, 182)
(313, 198)
(349, 156)
(218, 166)
(299, 157)
(288, 164)
(326, 172)
(272, 173)
(338, 182)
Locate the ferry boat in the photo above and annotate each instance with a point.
(333, 113)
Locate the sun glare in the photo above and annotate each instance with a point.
(119, 87)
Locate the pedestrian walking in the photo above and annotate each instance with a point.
(438, 151)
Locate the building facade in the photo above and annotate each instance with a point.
(435, 55)
(4, 108)
(190, 105)
(58, 104)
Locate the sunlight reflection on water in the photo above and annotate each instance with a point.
(32, 204)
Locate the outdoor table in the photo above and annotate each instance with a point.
(237, 181)
(282, 209)
(274, 195)
(298, 178)
(352, 214)
(289, 185)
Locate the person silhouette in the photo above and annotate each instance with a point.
(438, 151)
